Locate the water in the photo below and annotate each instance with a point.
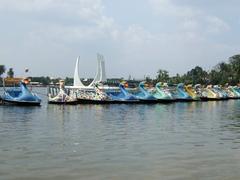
(181, 141)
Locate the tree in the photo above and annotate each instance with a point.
(148, 79)
(162, 76)
(214, 77)
(42, 80)
(235, 67)
(68, 81)
(10, 73)
(2, 70)
(196, 76)
(221, 74)
(176, 79)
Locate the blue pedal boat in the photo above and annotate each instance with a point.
(20, 96)
(236, 91)
(222, 94)
(181, 95)
(144, 95)
(123, 96)
(163, 94)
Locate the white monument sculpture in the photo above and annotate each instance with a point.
(99, 77)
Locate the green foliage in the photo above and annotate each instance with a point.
(2, 70)
(162, 76)
(196, 76)
(68, 81)
(10, 73)
(222, 73)
(235, 68)
(148, 79)
(175, 79)
(42, 80)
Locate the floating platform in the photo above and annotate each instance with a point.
(233, 97)
(142, 101)
(184, 100)
(90, 101)
(20, 103)
(63, 103)
(212, 99)
(166, 101)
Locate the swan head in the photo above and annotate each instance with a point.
(159, 84)
(143, 84)
(197, 86)
(123, 85)
(180, 85)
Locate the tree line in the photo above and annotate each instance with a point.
(42, 80)
(227, 72)
(10, 72)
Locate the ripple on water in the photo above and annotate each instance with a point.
(175, 141)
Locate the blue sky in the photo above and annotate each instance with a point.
(137, 37)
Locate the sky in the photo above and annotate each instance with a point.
(136, 37)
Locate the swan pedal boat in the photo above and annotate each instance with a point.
(21, 96)
(221, 93)
(181, 95)
(192, 92)
(62, 98)
(95, 96)
(162, 93)
(209, 95)
(233, 92)
(237, 91)
(123, 96)
(144, 95)
(98, 96)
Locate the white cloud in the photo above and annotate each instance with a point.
(189, 18)
(82, 27)
(190, 25)
(169, 8)
(89, 21)
(84, 9)
(216, 25)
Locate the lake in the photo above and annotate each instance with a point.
(179, 141)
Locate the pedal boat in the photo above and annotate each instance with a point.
(236, 89)
(95, 96)
(62, 98)
(145, 95)
(192, 92)
(233, 92)
(21, 95)
(181, 95)
(162, 93)
(222, 94)
(209, 95)
(123, 96)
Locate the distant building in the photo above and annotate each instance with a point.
(114, 81)
(11, 81)
(35, 83)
